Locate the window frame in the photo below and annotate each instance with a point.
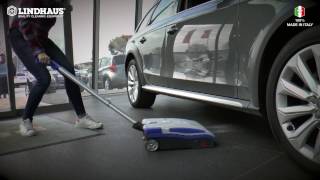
(151, 10)
(187, 3)
(152, 21)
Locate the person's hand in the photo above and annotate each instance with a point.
(44, 58)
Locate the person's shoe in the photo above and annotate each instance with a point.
(88, 123)
(26, 128)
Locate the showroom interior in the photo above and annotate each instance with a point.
(79, 50)
(93, 35)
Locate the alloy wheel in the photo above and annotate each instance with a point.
(298, 102)
(133, 83)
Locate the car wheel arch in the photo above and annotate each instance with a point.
(272, 45)
(131, 55)
(278, 40)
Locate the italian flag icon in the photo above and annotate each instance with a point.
(299, 11)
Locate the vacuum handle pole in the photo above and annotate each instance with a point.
(108, 103)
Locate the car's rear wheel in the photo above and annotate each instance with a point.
(137, 96)
(293, 98)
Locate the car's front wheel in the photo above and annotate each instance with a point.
(293, 98)
(137, 96)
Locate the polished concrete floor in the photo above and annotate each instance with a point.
(246, 149)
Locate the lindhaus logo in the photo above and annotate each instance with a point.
(12, 11)
(35, 12)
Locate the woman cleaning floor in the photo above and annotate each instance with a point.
(29, 39)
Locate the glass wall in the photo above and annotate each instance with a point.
(82, 32)
(4, 97)
(24, 81)
(116, 27)
(117, 19)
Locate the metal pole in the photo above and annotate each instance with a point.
(138, 13)
(68, 35)
(95, 47)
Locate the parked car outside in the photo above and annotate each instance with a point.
(246, 55)
(59, 79)
(111, 73)
(82, 74)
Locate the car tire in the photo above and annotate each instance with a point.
(137, 96)
(289, 108)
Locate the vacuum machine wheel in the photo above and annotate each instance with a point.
(152, 145)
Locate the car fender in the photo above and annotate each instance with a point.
(255, 60)
(132, 50)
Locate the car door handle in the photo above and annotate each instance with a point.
(143, 40)
(172, 30)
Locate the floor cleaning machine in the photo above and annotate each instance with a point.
(159, 133)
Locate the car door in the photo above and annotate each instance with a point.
(200, 54)
(152, 40)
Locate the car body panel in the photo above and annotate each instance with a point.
(202, 52)
(239, 51)
(273, 15)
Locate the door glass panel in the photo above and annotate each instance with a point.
(114, 35)
(4, 97)
(24, 81)
(82, 32)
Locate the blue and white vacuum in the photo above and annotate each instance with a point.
(159, 133)
(171, 133)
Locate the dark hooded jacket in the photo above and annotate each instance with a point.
(35, 30)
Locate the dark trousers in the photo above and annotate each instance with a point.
(41, 73)
(3, 86)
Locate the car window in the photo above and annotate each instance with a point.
(144, 22)
(165, 9)
(187, 4)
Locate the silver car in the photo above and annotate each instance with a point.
(112, 73)
(260, 57)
